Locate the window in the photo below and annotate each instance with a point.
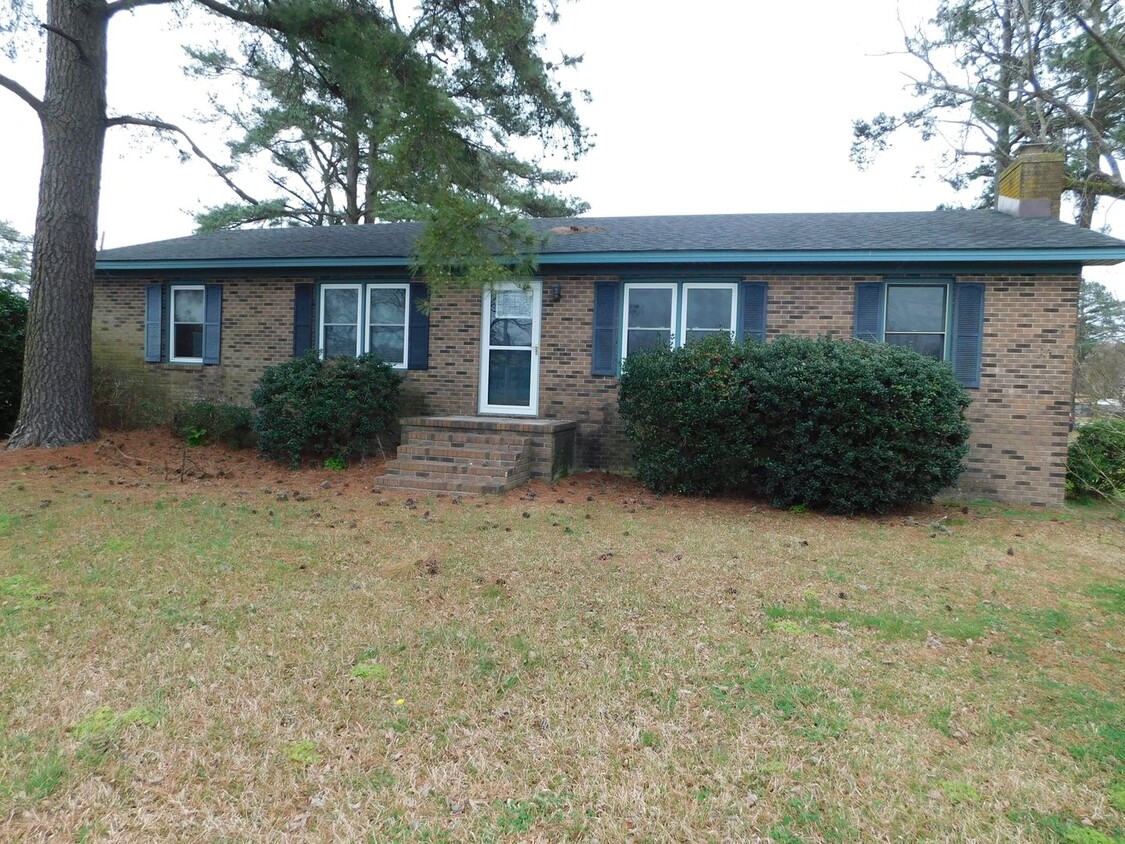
(649, 316)
(663, 314)
(339, 320)
(183, 323)
(186, 318)
(640, 315)
(708, 310)
(936, 317)
(388, 323)
(360, 318)
(916, 317)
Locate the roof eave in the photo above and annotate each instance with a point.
(1079, 255)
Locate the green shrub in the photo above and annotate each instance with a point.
(833, 425)
(854, 427)
(206, 422)
(332, 407)
(1095, 461)
(688, 415)
(13, 324)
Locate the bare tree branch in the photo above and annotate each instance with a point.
(125, 5)
(66, 37)
(162, 126)
(22, 92)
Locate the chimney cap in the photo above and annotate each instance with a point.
(1032, 148)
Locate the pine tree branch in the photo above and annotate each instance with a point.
(126, 5)
(22, 92)
(162, 126)
(252, 18)
(1092, 29)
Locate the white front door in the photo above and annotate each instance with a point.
(509, 354)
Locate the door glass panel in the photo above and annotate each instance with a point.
(915, 308)
(512, 304)
(511, 313)
(509, 377)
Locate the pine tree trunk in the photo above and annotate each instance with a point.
(57, 404)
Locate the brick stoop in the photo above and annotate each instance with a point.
(471, 455)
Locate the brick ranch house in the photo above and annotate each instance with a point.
(516, 382)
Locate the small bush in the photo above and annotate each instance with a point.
(833, 425)
(13, 324)
(206, 422)
(1095, 461)
(689, 416)
(333, 407)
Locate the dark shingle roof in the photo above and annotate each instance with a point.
(715, 233)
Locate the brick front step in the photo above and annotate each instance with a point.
(436, 451)
(437, 469)
(461, 439)
(471, 460)
(464, 484)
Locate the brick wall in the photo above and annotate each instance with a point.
(262, 310)
(1019, 414)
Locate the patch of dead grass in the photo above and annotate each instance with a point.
(558, 664)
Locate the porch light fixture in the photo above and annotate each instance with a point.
(556, 292)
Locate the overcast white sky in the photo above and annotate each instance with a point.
(711, 106)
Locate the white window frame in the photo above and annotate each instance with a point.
(688, 286)
(359, 313)
(649, 285)
(366, 317)
(677, 331)
(172, 322)
(947, 323)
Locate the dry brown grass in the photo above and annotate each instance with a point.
(206, 662)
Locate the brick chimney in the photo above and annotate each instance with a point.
(1032, 184)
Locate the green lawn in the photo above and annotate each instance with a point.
(206, 661)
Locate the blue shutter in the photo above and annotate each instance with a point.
(212, 322)
(154, 322)
(303, 318)
(607, 327)
(968, 332)
(754, 294)
(418, 355)
(869, 312)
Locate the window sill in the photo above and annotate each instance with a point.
(182, 367)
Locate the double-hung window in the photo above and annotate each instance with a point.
(359, 318)
(388, 322)
(185, 323)
(917, 316)
(941, 318)
(662, 314)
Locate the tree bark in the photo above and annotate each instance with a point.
(57, 404)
